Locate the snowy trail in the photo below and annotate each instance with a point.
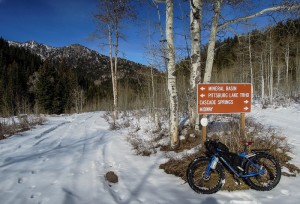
(58, 162)
(64, 162)
(285, 120)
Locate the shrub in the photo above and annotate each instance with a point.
(264, 138)
(24, 123)
(141, 146)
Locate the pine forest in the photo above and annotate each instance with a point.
(269, 59)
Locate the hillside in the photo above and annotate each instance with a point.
(94, 65)
(41, 78)
(268, 58)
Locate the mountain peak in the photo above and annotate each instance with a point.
(37, 48)
(75, 54)
(32, 42)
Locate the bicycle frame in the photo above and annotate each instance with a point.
(243, 155)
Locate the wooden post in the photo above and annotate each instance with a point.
(204, 131)
(242, 125)
(203, 134)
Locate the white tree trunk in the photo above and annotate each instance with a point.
(212, 42)
(287, 64)
(115, 77)
(157, 126)
(154, 111)
(250, 59)
(262, 81)
(278, 73)
(173, 96)
(162, 39)
(215, 28)
(113, 74)
(195, 76)
(271, 71)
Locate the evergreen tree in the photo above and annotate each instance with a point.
(17, 65)
(54, 86)
(45, 86)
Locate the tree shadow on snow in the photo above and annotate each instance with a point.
(70, 198)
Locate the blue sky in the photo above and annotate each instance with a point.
(58, 23)
(54, 22)
(63, 22)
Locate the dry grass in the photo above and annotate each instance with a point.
(141, 146)
(187, 143)
(24, 123)
(263, 138)
(228, 132)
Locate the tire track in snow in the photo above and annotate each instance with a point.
(59, 162)
(86, 166)
(48, 146)
(25, 138)
(76, 161)
(50, 130)
(33, 152)
(81, 168)
(33, 170)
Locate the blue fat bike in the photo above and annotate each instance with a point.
(259, 169)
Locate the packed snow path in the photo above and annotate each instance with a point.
(64, 162)
(57, 163)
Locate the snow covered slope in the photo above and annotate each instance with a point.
(64, 162)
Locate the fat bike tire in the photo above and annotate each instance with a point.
(270, 178)
(196, 176)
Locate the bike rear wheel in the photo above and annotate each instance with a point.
(199, 182)
(270, 178)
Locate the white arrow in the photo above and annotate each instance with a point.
(202, 88)
(246, 101)
(202, 95)
(246, 108)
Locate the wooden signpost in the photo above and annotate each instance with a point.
(224, 99)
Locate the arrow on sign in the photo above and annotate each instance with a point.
(246, 101)
(202, 95)
(246, 108)
(202, 88)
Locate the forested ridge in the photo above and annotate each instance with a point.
(269, 58)
(71, 79)
(17, 66)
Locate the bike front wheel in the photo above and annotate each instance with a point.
(201, 183)
(271, 168)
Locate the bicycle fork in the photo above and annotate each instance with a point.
(212, 165)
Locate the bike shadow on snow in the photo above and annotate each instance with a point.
(210, 200)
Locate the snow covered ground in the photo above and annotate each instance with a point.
(64, 162)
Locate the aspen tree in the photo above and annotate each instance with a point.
(215, 27)
(112, 13)
(172, 89)
(173, 95)
(195, 76)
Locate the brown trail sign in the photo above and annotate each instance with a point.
(223, 98)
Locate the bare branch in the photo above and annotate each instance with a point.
(272, 9)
